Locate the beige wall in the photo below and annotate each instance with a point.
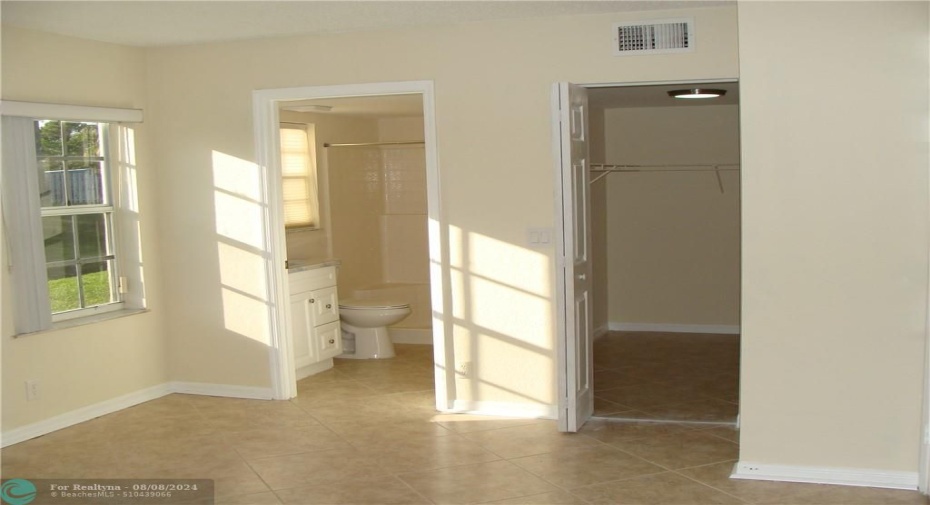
(492, 84)
(834, 233)
(672, 238)
(82, 366)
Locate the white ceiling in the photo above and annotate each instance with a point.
(163, 23)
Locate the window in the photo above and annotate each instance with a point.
(298, 177)
(77, 216)
(71, 212)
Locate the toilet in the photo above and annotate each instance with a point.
(368, 320)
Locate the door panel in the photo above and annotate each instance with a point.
(576, 374)
(301, 323)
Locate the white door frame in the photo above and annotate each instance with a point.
(564, 336)
(266, 122)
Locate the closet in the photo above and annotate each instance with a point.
(666, 241)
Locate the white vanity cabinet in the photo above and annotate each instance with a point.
(315, 331)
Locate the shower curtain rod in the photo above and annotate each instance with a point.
(409, 142)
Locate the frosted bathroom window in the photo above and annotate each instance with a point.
(298, 177)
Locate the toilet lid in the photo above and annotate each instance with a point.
(355, 303)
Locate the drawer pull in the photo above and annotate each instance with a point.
(329, 305)
(312, 300)
(332, 341)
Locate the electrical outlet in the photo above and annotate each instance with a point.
(463, 369)
(539, 237)
(32, 390)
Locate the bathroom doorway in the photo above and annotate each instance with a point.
(379, 210)
(665, 227)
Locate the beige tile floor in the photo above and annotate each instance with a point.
(366, 433)
(667, 376)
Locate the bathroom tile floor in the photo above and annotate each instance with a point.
(667, 376)
(366, 432)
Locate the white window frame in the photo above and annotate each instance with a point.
(311, 177)
(33, 316)
(108, 209)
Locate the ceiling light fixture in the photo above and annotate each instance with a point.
(697, 93)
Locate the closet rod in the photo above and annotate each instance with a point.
(409, 142)
(603, 167)
(606, 170)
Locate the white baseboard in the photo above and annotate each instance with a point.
(506, 409)
(225, 390)
(306, 371)
(676, 328)
(37, 429)
(601, 331)
(77, 416)
(411, 335)
(817, 475)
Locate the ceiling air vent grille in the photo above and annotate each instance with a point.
(654, 37)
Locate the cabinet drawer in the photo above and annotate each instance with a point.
(308, 280)
(325, 305)
(329, 340)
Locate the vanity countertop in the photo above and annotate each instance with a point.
(295, 266)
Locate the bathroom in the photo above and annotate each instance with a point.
(367, 214)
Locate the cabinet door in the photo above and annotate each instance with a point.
(325, 305)
(329, 340)
(302, 331)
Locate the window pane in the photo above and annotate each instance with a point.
(63, 288)
(51, 183)
(85, 183)
(59, 238)
(81, 139)
(48, 138)
(92, 235)
(295, 152)
(96, 280)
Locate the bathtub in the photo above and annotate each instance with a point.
(417, 328)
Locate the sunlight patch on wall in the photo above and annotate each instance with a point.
(237, 176)
(241, 253)
(127, 192)
(512, 265)
(242, 270)
(126, 159)
(239, 214)
(509, 311)
(246, 315)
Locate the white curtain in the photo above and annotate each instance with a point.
(23, 226)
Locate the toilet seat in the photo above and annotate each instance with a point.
(355, 303)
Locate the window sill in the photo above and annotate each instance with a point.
(81, 321)
(299, 229)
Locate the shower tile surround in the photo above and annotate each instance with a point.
(366, 432)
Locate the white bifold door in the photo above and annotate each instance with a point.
(573, 255)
